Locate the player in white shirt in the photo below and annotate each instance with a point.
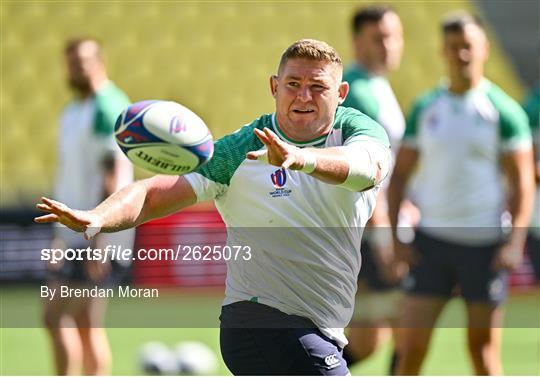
(297, 186)
(464, 136)
(378, 45)
(90, 168)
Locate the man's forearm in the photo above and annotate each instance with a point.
(357, 167)
(332, 165)
(395, 197)
(521, 205)
(519, 169)
(405, 163)
(124, 209)
(136, 203)
(380, 217)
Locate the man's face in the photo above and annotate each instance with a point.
(380, 44)
(465, 52)
(82, 63)
(307, 94)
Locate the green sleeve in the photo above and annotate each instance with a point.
(361, 98)
(411, 127)
(110, 102)
(532, 108)
(513, 122)
(355, 124)
(230, 151)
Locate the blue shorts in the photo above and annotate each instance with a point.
(257, 339)
(444, 269)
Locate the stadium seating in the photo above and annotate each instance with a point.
(214, 57)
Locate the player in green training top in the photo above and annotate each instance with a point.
(463, 135)
(296, 186)
(90, 168)
(378, 44)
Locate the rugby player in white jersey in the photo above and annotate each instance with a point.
(90, 168)
(378, 45)
(296, 186)
(463, 136)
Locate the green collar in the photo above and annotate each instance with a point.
(482, 87)
(361, 71)
(317, 142)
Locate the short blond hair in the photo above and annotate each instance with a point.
(311, 49)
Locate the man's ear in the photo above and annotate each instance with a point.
(273, 85)
(343, 91)
(487, 50)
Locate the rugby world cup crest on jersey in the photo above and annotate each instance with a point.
(279, 179)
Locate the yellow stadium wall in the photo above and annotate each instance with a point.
(214, 57)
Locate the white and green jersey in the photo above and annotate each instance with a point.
(374, 96)
(85, 140)
(460, 138)
(304, 234)
(532, 107)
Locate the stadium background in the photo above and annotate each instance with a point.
(215, 57)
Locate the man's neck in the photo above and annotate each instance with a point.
(84, 94)
(95, 87)
(461, 85)
(300, 138)
(365, 66)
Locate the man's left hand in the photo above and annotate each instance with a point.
(509, 257)
(278, 152)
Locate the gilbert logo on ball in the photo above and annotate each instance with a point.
(164, 137)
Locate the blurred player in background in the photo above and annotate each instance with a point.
(532, 107)
(297, 186)
(462, 135)
(90, 168)
(378, 45)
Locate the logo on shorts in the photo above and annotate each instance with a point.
(279, 179)
(496, 289)
(332, 361)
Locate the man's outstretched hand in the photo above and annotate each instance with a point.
(80, 221)
(278, 152)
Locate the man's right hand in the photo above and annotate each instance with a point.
(391, 268)
(80, 221)
(405, 253)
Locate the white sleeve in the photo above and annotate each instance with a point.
(369, 163)
(204, 188)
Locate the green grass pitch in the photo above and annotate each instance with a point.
(26, 351)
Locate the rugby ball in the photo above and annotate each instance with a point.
(195, 359)
(163, 137)
(155, 358)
